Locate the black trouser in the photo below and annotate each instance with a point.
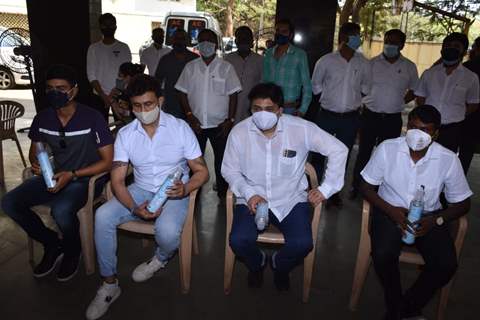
(344, 126)
(470, 138)
(218, 143)
(438, 251)
(374, 128)
(450, 135)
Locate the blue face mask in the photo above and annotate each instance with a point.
(354, 42)
(57, 99)
(390, 50)
(281, 39)
(206, 48)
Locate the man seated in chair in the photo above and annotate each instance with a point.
(265, 162)
(82, 147)
(399, 167)
(155, 144)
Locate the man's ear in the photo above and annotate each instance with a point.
(161, 99)
(74, 91)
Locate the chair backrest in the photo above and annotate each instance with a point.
(9, 111)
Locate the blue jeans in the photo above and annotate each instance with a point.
(64, 207)
(296, 228)
(168, 228)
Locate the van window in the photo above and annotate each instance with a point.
(194, 28)
(172, 26)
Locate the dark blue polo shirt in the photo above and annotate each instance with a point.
(76, 145)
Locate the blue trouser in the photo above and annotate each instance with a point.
(64, 207)
(296, 228)
(168, 227)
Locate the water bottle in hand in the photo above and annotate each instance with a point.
(415, 213)
(161, 196)
(261, 217)
(45, 165)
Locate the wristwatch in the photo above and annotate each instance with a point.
(439, 221)
(75, 177)
(232, 120)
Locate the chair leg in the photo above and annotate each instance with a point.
(2, 171)
(20, 151)
(228, 270)
(196, 249)
(308, 263)
(87, 241)
(442, 304)
(361, 271)
(31, 251)
(185, 256)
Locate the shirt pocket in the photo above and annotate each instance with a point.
(219, 86)
(459, 94)
(287, 166)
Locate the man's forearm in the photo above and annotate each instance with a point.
(198, 179)
(184, 103)
(455, 210)
(232, 105)
(371, 196)
(94, 169)
(123, 195)
(97, 87)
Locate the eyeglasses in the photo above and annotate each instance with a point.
(63, 144)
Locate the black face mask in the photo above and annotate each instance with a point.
(57, 99)
(108, 32)
(158, 40)
(179, 47)
(451, 55)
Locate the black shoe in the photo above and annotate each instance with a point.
(280, 279)
(335, 201)
(68, 268)
(51, 257)
(255, 278)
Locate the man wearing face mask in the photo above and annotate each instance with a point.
(342, 78)
(82, 147)
(287, 66)
(169, 69)
(208, 90)
(394, 79)
(399, 167)
(103, 60)
(265, 162)
(248, 66)
(451, 88)
(155, 144)
(151, 56)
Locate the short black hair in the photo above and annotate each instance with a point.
(349, 28)
(458, 37)
(62, 71)
(209, 31)
(267, 91)
(476, 43)
(288, 22)
(142, 83)
(131, 69)
(244, 29)
(106, 16)
(397, 32)
(427, 114)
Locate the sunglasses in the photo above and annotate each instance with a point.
(63, 144)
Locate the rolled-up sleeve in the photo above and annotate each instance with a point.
(374, 171)
(336, 152)
(184, 80)
(456, 185)
(91, 63)
(317, 76)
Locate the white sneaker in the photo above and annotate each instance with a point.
(106, 295)
(146, 270)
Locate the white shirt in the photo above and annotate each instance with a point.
(392, 168)
(449, 93)
(208, 89)
(390, 82)
(256, 165)
(150, 57)
(340, 82)
(153, 159)
(103, 62)
(249, 70)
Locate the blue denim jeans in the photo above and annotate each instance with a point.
(168, 228)
(296, 228)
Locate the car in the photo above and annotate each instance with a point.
(10, 78)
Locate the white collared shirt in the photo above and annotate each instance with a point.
(392, 168)
(208, 89)
(341, 82)
(249, 71)
(150, 57)
(449, 93)
(274, 168)
(153, 159)
(390, 83)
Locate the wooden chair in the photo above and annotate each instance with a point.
(274, 236)
(407, 256)
(85, 217)
(9, 112)
(188, 238)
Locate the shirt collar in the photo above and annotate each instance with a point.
(161, 123)
(382, 57)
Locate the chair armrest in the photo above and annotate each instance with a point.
(91, 187)
(462, 231)
(9, 119)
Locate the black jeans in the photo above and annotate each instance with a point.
(470, 138)
(64, 207)
(218, 143)
(450, 135)
(438, 251)
(374, 129)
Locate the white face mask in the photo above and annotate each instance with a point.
(417, 139)
(148, 117)
(206, 48)
(264, 120)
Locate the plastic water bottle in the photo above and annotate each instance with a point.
(261, 217)
(415, 213)
(45, 165)
(161, 196)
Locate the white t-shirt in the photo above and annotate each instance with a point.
(151, 56)
(398, 177)
(103, 62)
(208, 89)
(153, 159)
